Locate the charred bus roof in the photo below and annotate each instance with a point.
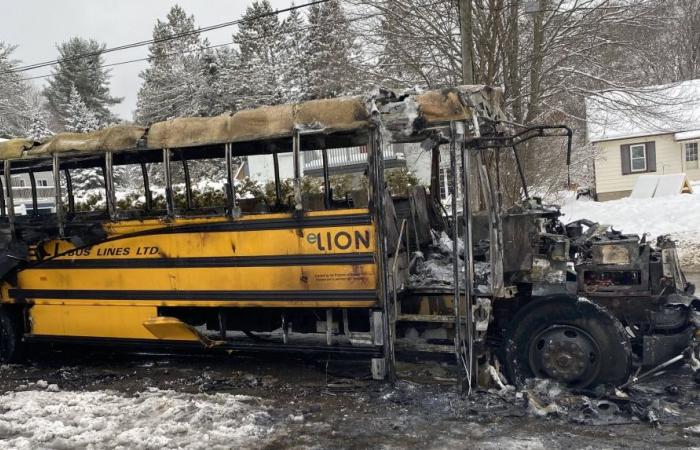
(338, 122)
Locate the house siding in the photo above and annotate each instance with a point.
(608, 167)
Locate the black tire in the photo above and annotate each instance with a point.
(570, 340)
(11, 345)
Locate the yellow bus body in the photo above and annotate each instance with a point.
(325, 259)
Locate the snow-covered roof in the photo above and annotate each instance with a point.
(687, 135)
(652, 110)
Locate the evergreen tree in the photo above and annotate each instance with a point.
(80, 67)
(292, 41)
(78, 117)
(330, 51)
(174, 83)
(38, 128)
(259, 42)
(13, 95)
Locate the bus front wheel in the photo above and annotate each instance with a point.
(567, 339)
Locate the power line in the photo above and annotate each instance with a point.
(207, 47)
(130, 61)
(164, 39)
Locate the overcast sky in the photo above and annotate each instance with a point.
(36, 26)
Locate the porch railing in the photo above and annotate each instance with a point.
(345, 157)
(25, 192)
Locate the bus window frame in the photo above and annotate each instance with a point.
(232, 207)
(110, 195)
(278, 185)
(167, 175)
(56, 166)
(3, 211)
(9, 200)
(188, 182)
(32, 186)
(69, 192)
(148, 195)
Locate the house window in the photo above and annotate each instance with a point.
(691, 155)
(43, 183)
(17, 182)
(638, 158)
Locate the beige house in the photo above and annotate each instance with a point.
(656, 130)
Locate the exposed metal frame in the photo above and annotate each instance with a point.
(148, 195)
(3, 211)
(32, 186)
(109, 186)
(278, 186)
(58, 200)
(296, 155)
(9, 197)
(230, 181)
(467, 213)
(528, 133)
(376, 196)
(327, 194)
(169, 198)
(69, 191)
(188, 182)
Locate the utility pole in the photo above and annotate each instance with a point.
(465, 28)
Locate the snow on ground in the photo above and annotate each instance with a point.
(677, 215)
(45, 418)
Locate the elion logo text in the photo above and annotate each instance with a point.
(340, 240)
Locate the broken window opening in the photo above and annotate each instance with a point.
(129, 189)
(198, 184)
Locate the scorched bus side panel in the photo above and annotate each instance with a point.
(109, 289)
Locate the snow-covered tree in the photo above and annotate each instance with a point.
(259, 41)
(78, 117)
(330, 51)
(177, 75)
(38, 127)
(84, 73)
(13, 95)
(292, 43)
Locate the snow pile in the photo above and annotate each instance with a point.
(151, 419)
(677, 215)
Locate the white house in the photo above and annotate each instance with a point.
(653, 130)
(340, 161)
(22, 192)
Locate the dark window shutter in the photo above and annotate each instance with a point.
(625, 159)
(651, 156)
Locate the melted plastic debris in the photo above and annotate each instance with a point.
(436, 268)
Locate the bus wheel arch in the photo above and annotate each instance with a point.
(571, 340)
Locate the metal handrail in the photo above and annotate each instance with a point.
(394, 273)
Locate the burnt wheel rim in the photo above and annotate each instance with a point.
(565, 353)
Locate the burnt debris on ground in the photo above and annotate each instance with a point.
(321, 404)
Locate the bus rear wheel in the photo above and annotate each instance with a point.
(568, 340)
(11, 345)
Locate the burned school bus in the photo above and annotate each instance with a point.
(319, 273)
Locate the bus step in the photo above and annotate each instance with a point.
(425, 318)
